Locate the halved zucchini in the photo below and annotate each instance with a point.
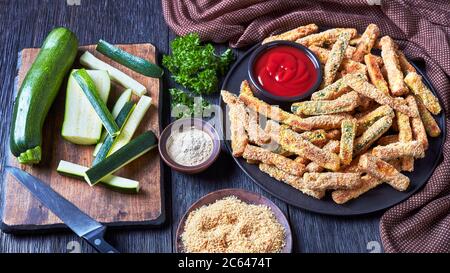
(114, 182)
(137, 147)
(93, 96)
(81, 124)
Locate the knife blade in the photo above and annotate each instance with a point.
(78, 221)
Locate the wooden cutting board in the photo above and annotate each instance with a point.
(21, 212)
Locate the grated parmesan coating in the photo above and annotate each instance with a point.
(230, 225)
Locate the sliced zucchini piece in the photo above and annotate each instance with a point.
(124, 97)
(137, 147)
(113, 182)
(81, 124)
(131, 61)
(89, 60)
(121, 119)
(132, 124)
(90, 90)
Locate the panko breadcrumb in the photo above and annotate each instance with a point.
(230, 225)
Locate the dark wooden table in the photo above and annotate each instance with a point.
(25, 23)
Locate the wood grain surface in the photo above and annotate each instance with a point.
(22, 211)
(25, 23)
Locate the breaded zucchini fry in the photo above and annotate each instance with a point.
(405, 135)
(414, 81)
(360, 85)
(348, 133)
(321, 53)
(273, 130)
(384, 171)
(334, 134)
(302, 160)
(366, 42)
(331, 181)
(345, 103)
(355, 40)
(386, 140)
(293, 142)
(367, 183)
(255, 153)
(429, 122)
(328, 36)
(255, 133)
(375, 74)
(331, 92)
(293, 34)
(418, 129)
(374, 132)
(370, 118)
(316, 137)
(405, 66)
(394, 74)
(347, 64)
(325, 122)
(292, 180)
(333, 147)
(335, 58)
(238, 118)
(272, 112)
(349, 52)
(399, 149)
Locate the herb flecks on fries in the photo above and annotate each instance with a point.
(368, 122)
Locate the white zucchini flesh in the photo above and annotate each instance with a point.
(132, 124)
(90, 61)
(112, 181)
(81, 123)
(123, 98)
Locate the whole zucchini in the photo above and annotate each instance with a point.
(37, 93)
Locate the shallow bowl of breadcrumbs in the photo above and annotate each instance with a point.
(234, 221)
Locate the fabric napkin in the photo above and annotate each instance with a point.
(422, 30)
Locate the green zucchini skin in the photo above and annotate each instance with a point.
(90, 90)
(37, 93)
(131, 61)
(121, 119)
(134, 149)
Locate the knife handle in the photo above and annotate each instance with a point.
(96, 239)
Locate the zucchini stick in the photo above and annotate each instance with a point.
(121, 119)
(131, 61)
(89, 89)
(89, 60)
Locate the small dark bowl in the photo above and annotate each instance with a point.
(270, 98)
(180, 125)
(247, 197)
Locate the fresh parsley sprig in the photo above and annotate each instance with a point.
(186, 106)
(195, 66)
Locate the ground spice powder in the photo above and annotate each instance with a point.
(232, 226)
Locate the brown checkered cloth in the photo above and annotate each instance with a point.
(421, 28)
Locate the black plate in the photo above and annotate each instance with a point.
(376, 199)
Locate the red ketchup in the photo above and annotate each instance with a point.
(285, 71)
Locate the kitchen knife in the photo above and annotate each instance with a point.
(82, 224)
